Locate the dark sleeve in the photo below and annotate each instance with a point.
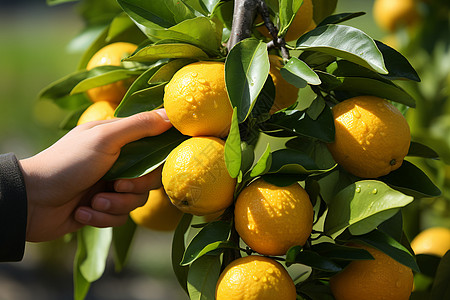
(13, 209)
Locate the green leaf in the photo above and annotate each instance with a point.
(97, 242)
(428, 264)
(156, 52)
(340, 252)
(263, 164)
(202, 277)
(105, 78)
(366, 86)
(310, 258)
(122, 238)
(316, 108)
(233, 155)
(213, 236)
(156, 13)
(204, 7)
(389, 246)
(345, 42)
(412, 181)
(421, 150)
(298, 73)
(290, 161)
(143, 156)
(397, 65)
(367, 202)
(248, 156)
(299, 123)
(441, 288)
(322, 9)
(80, 284)
(246, 69)
(339, 18)
(56, 2)
(287, 11)
(178, 248)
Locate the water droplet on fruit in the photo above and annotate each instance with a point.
(358, 189)
(356, 114)
(255, 278)
(202, 81)
(374, 191)
(189, 98)
(194, 74)
(270, 270)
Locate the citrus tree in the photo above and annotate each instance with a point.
(290, 183)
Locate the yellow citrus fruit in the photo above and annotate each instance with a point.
(255, 278)
(158, 213)
(271, 219)
(102, 110)
(381, 278)
(196, 178)
(196, 100)
(392, 14)
(372, 136)
(285, 93)
(434, 241)
(111, 55)
(302, 22)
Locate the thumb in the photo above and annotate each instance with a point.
(126, 130)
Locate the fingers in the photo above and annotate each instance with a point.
(109, 209)
(120, 132)
(141, 184)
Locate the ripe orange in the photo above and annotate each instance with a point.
(393, 14)
(302, 22)
(158, 213)
(381, 278)
(372, 137)
(271, 219)
(97, 111)
(196, 178)
(196, 100)
(285, 93)
(434, 241)
(111, 55)
(255, 278)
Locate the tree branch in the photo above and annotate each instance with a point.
(243, 17)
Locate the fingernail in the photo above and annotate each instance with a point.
(102, 204)
(124, 186)
(83, 216)
(162, 113)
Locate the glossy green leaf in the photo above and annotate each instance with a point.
(233, 155)
(213, 236)
(203, 276)
(299, 123)
(263, 164)
(412, 181)
(345, 68)
(80, 284)
(248, 156)
(322, 9)
(345, 42)
(340, 252)
(122, 238)
(156, 52)
(389, 246)
(367, 86)
(298, 73)
(205, 7)
(428, 264)
(421, 150)
(97, 242)
(310, 258)
(178, 248)
(105, 78)
(246, 69)
(316, 108)
(143, 156)
(287, 11)
(290, 161)
(441, 288)
(339, 18)
(368, 202)
(397, 65)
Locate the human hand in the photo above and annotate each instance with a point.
(63, 182)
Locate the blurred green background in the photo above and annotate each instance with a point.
(33, 53)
